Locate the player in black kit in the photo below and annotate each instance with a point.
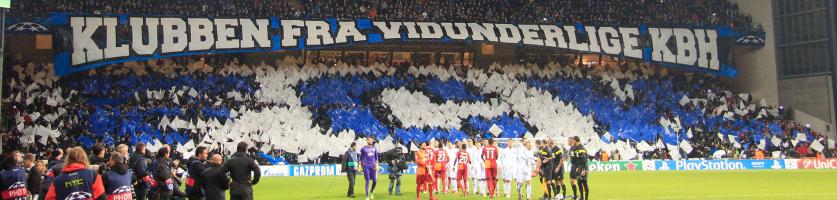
(558, 170)
(547, 169)
(578, 173)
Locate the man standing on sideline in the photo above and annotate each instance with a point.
(215, 182)
(369, 166)
(33, 181)
(397, 165)
(196, 167)
(350, 167)
(140, 167)
(240, 166)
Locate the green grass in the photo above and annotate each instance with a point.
(787, 184)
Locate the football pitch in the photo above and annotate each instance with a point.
(627, 185)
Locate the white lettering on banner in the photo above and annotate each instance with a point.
(275, 170)
(150, 36)
(599, 167)
(709, 165)
(818, 164)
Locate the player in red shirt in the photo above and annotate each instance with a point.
(463, 159)
(489, 154)
(440, 168)
(431, 161)
(424, 174)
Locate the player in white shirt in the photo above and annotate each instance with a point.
(479, 169)
(451, 149)
(527, 164)
(508, 165)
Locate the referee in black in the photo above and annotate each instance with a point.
(578, 173)
(547, 167)
(558, 173)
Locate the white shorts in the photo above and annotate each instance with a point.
(524, 175)
(509, 173)
(451, 172)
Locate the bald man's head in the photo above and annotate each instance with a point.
(216, 159)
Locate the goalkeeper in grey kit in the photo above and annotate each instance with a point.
(578, 172)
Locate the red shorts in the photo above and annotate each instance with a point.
(439, 173)
(462, 173)
(422, 179)
(491, 173)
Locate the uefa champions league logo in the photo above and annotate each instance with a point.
(123, 189)
(17, 185)
(79, 196)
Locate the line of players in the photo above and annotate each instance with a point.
(439, 166)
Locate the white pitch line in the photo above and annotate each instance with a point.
(734, 196)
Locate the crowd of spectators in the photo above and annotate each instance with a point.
(112, 106)
(601, 12)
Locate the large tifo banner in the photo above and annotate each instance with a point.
(87, 42)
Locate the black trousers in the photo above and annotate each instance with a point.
(142, 194)
(351, 175)
(242, 197)
(196, 198)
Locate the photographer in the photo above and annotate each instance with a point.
(397, 165)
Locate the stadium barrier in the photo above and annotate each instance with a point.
(597, 166)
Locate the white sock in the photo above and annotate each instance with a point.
(529, 190)
(507, 187)
(483, 186)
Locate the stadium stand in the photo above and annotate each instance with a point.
(605, 12)
(307, 111)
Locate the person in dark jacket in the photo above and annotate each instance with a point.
(13, 179)
(215, 182)
(139, 166)
(54, 168)
(98, 157)
(76, 181)
(163, 176)
(196, 167)
(35, 175)
(118, 179)
(397, 165)
(240, 166)
(350, 165)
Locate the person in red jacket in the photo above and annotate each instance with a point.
(76, 180)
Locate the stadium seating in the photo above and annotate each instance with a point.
(601, 12)
(310, 110)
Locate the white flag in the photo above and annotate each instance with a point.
(496, 130)
(686, 146)
(776, 141)
(815, 145)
